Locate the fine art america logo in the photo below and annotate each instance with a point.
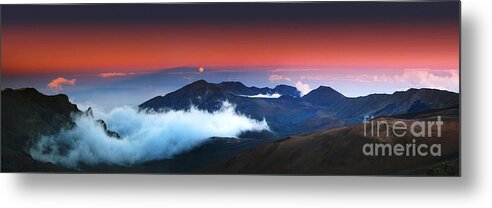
(394, 129)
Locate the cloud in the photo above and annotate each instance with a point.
(145, 136)
(115, 74)
(57, 83)
(303, 88)
(424, 78)
(274, 95)
(277, 78)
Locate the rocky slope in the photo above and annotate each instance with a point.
(27, 114)
(339, 152)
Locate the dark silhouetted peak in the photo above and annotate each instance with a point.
(407, 92)
(287, 90)
(108, 131)
(197, 88)
(327, 89)
(32, 93)
(416, 94)
(325, 92)
(26, 113)
(88, 113)
(200, 93)
(22, 91)
(280, 87)
(237, 88)
(28, 90)
(199, 83)
(325, 96)
(233, 84)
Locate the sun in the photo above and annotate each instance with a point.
(201, 69)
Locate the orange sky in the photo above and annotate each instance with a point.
(34, 48)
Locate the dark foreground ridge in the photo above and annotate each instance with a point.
(26, 115)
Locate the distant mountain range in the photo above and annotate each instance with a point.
(322, 108)
(306, 139)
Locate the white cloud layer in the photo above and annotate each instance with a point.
(274, 95)
(145, 135)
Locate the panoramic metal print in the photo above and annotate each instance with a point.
(326, 88)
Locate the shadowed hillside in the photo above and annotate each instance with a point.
(339, 152)
(27, 114)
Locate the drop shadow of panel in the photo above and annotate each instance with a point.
(470, 97)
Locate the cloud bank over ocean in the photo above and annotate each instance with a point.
(145, 136)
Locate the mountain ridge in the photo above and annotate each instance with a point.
(26, 115)
(321, 108)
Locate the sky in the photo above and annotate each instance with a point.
(357, 48)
